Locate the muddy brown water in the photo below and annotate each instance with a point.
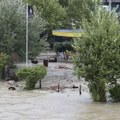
(51, 105)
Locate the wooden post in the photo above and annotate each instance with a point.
(58, 84)
(40, 85)
(58, 87)
(80, 90)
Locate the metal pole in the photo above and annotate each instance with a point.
(27, 34)
(110, 5)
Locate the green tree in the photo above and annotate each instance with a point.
(79, 9)
(13, 29)
(98, 52)
(51, 11)
(59, 13)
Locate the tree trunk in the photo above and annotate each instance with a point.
(102, 95)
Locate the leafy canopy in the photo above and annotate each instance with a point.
(77, 10)
(51, 11)
(13, 28)
(98, 52)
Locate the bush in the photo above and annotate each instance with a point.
(30, 82)
(115, 92)
(32, 75)
(4, 59)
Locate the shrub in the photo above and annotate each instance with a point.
(4, 59)
(115, 92)
(32, 75)
(23, 73)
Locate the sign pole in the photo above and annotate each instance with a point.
(27, 34)
(110, 5)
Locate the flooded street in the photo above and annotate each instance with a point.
(38, 105)
(98, 111)
(51, 105)
(46, 105)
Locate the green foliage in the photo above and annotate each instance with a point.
(98, 91)
(58, 47)
(12, 29)
(62, 13)
(77, 10)
(4, 59)
(59, 13)
(32, 75)
(51, 11)
(23, 73)
(30, 82)
(115, 92)
(98, 50)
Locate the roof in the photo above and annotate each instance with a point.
(67, 33)
(115, 1)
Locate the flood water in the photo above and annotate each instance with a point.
(51, 105)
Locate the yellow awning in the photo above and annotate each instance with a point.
(67, 33)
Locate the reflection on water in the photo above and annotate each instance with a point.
(46, 105)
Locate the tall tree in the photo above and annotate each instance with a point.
(60, 13)
(13, 28)
(98, 52)
(79, 9)
(51, 11)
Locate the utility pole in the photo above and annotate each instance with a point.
(27, 34)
